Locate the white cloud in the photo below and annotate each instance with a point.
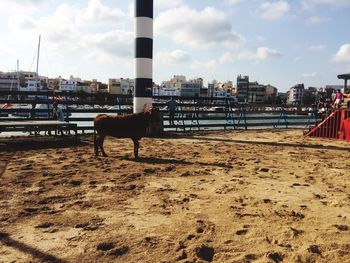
(317, 47)
(343, 54)
(6, 51)
(115, 43)
(91, 29)
(260, 38)
(296, 59)
(262, 53)
(174, 57)
(272, 11)
(310, 75)
(22, 23)
(203, 29)
(166, 4)
(23, 2)
(309, 4)
(209, 65)
(226, 57)
(317, 20)
(98, 14)
(233, 2)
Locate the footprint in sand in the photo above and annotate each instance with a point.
(342, 227)
(205, 252)
(241, 232)
(314, 250)
(275, 256)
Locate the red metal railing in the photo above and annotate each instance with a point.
(334, 126)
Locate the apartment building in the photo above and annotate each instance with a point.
(250, 91)
(9, 81)
(295, 94)
(121, 86)
(221, 90)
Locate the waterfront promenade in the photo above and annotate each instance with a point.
(225, 196)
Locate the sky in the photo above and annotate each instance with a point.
(281, 42)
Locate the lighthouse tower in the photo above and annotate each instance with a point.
(143, 55)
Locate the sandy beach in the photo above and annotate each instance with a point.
(226, 196)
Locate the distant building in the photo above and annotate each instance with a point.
(83, 87)
(53, 83)
(242, 88)
(9, 81)
(190, 88)
(29, 76)
(221, 90)
(250, 91)
(167, 88)
(97, 86)
(282, 96)
(69, 85)
(295, 94)
(256, 92)
(121, 86)
(337, 87)
(271, 91)
(32, 85)
(177, 80)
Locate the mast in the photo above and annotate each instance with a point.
(37, 61)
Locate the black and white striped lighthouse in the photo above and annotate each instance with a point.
(143, 54)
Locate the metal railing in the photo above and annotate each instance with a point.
(191, 114)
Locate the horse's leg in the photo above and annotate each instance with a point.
(95, 143)
(136, 148)
(101, 140)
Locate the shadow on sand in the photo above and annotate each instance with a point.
(154, 160)
(37, 143)
(6, 240)
(311, 146)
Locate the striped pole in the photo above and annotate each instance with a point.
(143, 54)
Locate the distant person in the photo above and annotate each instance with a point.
(129, 95)
(57, 113)
(338, 99)
(171, 104)
(32, 111)
(6, 105)
(333, 95)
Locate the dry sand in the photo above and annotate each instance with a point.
(234, 196)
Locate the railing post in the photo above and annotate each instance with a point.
(283, 116)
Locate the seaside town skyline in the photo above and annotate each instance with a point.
(281, 43)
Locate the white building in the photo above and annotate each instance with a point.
(69, 85)
(295, 94)
(190, 88)
(221, 90)
(167, 88)
(121, 86)
(9, 81)
(32, 85)
(177, 80)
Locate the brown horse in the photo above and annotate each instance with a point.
(133, 126)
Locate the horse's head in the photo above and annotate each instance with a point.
(154, 114)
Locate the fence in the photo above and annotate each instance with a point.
(334, 126)
(191, 113)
